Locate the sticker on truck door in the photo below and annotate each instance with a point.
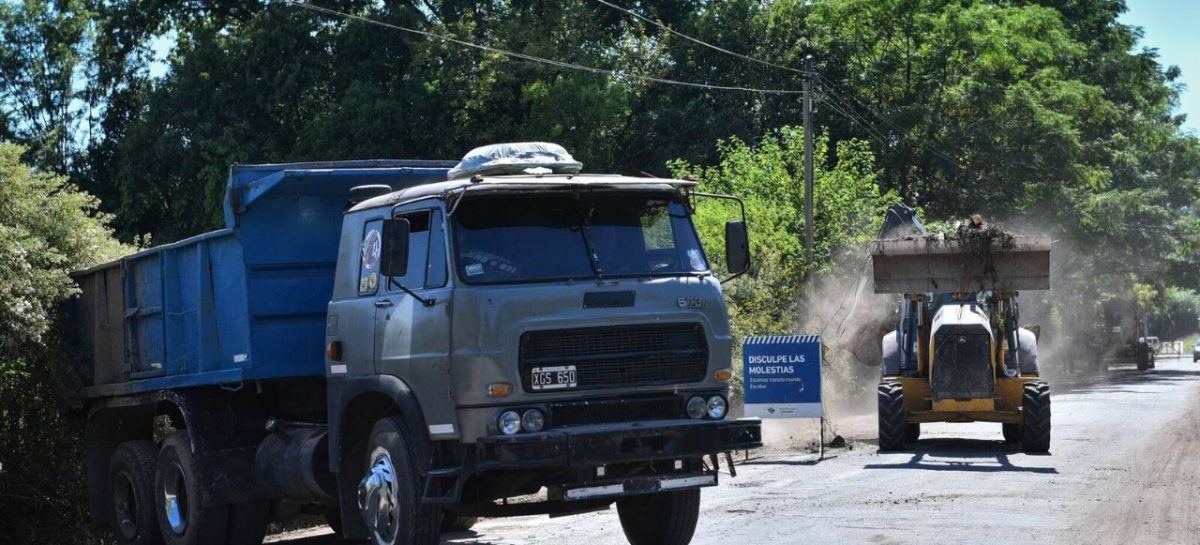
(553, 378)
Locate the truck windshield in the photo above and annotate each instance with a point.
(558, 236)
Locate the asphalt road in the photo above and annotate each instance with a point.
(1122, 470)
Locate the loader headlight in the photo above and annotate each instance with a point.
(509, 422)
(716, 407)
(696, 408)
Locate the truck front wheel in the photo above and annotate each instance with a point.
(131, 482)
(664, 518)
(389, 495)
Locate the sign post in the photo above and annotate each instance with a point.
(781, 376)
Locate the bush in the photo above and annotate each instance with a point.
(47, 228)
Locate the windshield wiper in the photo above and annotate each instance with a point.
(586, 230)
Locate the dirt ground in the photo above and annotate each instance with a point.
(1123, 469)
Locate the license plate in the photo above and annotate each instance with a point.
(553, 378)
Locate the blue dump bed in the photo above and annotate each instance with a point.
(246, 302)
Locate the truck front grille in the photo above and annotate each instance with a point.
(627, 355)
(962, 364)
(611, 411)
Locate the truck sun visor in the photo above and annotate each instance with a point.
(516, 158)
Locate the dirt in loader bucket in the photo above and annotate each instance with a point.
(977, 256)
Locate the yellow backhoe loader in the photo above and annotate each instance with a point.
(957, 353)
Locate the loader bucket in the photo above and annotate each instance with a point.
(923, 264)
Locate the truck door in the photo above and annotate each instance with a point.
(352, 316)
(412, 333)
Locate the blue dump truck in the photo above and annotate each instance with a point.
(404, 346)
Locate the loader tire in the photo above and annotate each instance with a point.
(1012, 432)
(892, 426)
(912, 432)
(1035, 405)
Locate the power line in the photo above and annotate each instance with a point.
(845, 104)
(699, 41)
(872, 132)
(532, 58)
(832, 88)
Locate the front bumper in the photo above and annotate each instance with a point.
(618, 443)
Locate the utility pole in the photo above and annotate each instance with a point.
(808, 158)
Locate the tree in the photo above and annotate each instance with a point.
(848, 210)
(42, 61)
(47, 228)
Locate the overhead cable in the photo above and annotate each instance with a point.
(699, 41)
(532, 58)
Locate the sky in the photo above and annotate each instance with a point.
(1171, 26)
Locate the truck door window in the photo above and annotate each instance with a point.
(418, 251)
(438, 269)
(369, 250)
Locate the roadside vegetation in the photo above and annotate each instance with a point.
(1044, 115)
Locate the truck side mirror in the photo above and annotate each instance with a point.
(737, 247)
(393, 258)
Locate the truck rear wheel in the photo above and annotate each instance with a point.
(131, 483)
(663, 518)
(389, 493)
(1035, 404)
(893, 429)
(181, 516)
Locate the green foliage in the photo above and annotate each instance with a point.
(769, 177)
(47, 228)
(1045, 116)
(1178, 315)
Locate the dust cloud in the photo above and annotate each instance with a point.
(851, 319)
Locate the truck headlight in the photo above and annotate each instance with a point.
(696, 408)
(716, 407)
(509, 422)
(533, 421)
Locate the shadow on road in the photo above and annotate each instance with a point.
(963, 455)
(1117, 378)
(453, 538)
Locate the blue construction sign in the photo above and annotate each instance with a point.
(782, 376)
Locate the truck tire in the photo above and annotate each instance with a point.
(892, 416)
(389, 494)
(1035, 404)
(662, 518)
(333, 519)
(131, 483)
(178, 498)
(457, 523)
